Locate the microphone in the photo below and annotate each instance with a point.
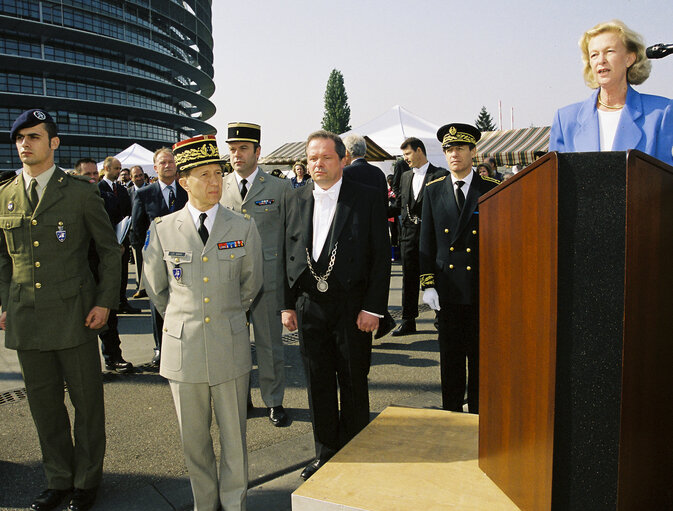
(659, 51)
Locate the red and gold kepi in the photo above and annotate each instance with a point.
(196, 151)
(458, 134)
(244, 132)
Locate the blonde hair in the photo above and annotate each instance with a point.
(639, 70)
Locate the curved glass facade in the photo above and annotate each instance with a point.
(111, 73)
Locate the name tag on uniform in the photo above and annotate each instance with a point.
(264, 202)
(177, 254)
(230, 244)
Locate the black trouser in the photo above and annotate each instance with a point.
(336, 354)
(410, 277)
(110, 342)
(157, 326)
(458, 340)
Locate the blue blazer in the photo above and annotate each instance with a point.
(148, 204)
(646, 124)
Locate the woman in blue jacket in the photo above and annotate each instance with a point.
(615, 117)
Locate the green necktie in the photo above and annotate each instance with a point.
(32, 194)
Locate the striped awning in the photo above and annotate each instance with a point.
(292, 152)
(513, 147)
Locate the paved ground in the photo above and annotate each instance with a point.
(144, 467)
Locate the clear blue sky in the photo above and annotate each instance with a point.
(440, 59)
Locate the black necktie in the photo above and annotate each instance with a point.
(114, 189)
(460, 196)
(32, 193)
(203, 231)
(244, 189)
(171, 199)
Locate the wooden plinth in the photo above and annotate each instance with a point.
(406, 459)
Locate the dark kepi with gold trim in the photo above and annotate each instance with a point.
(195, 151)
(244, 132)
(458, 134)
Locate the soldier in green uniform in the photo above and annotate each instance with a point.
(52, 309)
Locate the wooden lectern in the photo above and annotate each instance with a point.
(576, 333)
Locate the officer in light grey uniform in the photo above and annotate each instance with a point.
(257, 194)
(202, 270)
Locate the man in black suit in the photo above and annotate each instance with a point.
(449, 258)
(158, 199)
(108, 184)
(365, 173)
(410, 206)
(137, 182)
(336, 260)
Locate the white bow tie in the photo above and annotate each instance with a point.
(331, 193)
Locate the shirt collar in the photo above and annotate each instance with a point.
(467, 180)
(42, 179)
(196, 213)
(164, 185)
(109, 182)
(331, 193)
(248, 179)
(422, 170)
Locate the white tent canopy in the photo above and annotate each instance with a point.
(397, 124)
(136, 155)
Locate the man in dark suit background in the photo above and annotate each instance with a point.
(108, 184)
(410, 207)
(449, 258)
(337, 267)
(136, 183)
(158, 199)
(365, 173)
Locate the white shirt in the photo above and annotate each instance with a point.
(249, 180)
(164, 191)
(467, 180)
(110, 183)
(607, 127)
(42, 180)
(196, 214)
(324, 208)
(419, 176)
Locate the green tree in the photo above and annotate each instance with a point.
(337, 112)
(484, 122)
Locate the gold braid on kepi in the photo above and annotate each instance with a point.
(196, 151)
(427, 280)
(458, 134)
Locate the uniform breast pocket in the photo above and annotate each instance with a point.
(11, 227)
(179, 266)
(230, 262)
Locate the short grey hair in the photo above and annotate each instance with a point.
(356, 145)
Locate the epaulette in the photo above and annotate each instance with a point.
(6, 176)
(158, 219)
(80, 178)
(491, 179)
(436, 180)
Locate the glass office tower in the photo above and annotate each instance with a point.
(111, 73)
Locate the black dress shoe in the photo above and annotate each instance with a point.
(386, 324)
(312, 468)
(121, 366)
(49, 499)
(141, 293)
(156, 358)
(82, 499)
(278, 416)
(127, 308)
(406, 328)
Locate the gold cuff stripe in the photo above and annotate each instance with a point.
(427, 280)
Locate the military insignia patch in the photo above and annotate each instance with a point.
(230, 244)
(60, 232)
(177, 273)
(10, 206)
(147, 239)
(264, 202)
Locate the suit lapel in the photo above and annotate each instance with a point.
(232, 193)
(628, 134)
(256, 189)
(220, 229)
(449, 200)
(343, 211)
(471, 203)
(587, 136)
(305, 205)
(185, 226)
(52, 193)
